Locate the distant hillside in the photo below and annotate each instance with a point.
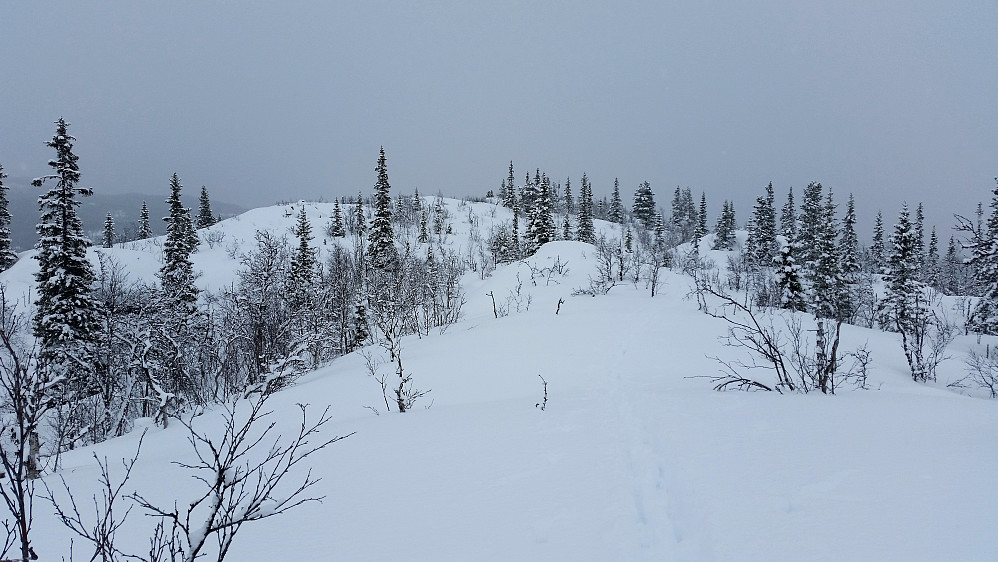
(124, 209)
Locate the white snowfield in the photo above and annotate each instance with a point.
(634, 458)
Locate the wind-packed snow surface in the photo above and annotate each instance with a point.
(633, 458)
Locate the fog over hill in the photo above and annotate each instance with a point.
(124, 209)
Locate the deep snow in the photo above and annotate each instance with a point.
(633, 458)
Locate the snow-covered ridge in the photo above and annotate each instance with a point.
(634, 456)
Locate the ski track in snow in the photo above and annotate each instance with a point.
(646, 473)
(665, 510)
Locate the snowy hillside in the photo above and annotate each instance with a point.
(634, 457)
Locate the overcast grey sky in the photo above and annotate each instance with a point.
(282, 100)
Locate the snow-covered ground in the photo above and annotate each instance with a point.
(633, 458)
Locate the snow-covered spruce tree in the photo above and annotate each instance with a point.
(951, 262)
(724, 231)
(531, 187)
(557, 205)
(544, 210)
(381, 252)
(178, 323)
(509, 196)
(335, 228)
(877, 249)
(930, 270)
(761, 247)
(514, 229)
(788, 279)
(310, 307)
(849, 241)
(360, 328)
(107, 241)
(65, 320)
(145, 231)
(190, 232)
(788, 217)
(569, 200)
(302, 270)
(417, 203)
(616, 213)
(681, 222)
(701, 225)
(359, 222)
(399, 218)
(424, 232)
(501, 244)
(176, 276)
(585, 231)
(528, 196)
(540, 222)
(760, 250)
(828, 295)
(810, 225)
(644, 205)
(983, 244)
(656, 257)
(7, 255)
(205, 216)
(906, 310)
(693, 215)
(501, 195)
(860, 299)
(959, 275)
(919, 229)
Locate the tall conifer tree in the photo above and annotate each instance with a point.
(510, 193)
(985, 261)
(788, 217)
(810, 226)
(569, 200)
(849, 241)
(177, 273)
(930, 270)
(877, 249)
(145, 231)
(66, 320)
(585, 231)
(108, 238)
(905, 309)
(381, 241)
(701, 226)
(644, 205)
(302, 272)
(616, 205)
(540, 222)
(360, 222)
(336, 230)
(788, 279)
(205, 217)
(7, 255)
(724, 231)
(827, 286)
